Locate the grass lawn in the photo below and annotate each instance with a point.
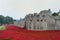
(3, 27)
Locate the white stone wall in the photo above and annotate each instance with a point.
(22, 23)
(41, 21)
(58, 24)
(19, 23)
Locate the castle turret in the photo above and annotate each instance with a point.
(46, 12)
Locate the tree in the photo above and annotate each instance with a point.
(1, 19)
(4, 21)
(9, 20)
(55, 14)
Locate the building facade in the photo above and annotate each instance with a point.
(42, 21)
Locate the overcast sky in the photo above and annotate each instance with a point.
(19, 8)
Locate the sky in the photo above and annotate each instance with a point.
(20, 8)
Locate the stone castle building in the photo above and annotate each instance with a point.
(42, 21)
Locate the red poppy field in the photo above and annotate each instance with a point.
(15, 33)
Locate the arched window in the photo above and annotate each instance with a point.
(38, 28)
(41, 27)
(41, 20)
(37, 20)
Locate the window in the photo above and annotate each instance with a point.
(34, 27)
(29, 27)
(38, 15)
(43, 15)
(30, 20)
(38, 20)
(37, 27)
(41, 27)
(41, 20)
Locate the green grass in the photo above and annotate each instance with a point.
(3, 27)
(6, 39)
